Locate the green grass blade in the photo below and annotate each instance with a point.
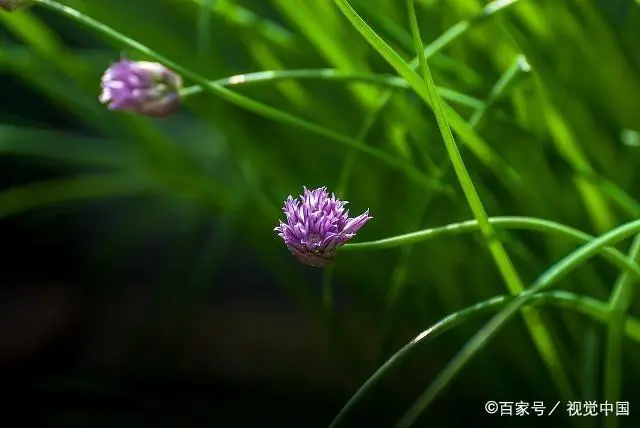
(247, 103)
(490, 10)
(430, 50)
(519, 66)
(320, 26)
(550, 277)
(539, 333)
(204, 29)
(511, 223)
(591, 367)
(619, 303)
(468, 135)
(244, 18)
(586, 305)
(328, 75)
(350, 159)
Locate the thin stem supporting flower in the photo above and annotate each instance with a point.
(328, 75)
(245, 102)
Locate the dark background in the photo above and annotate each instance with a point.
(169, 310)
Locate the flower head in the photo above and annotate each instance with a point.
(143, 87)
(317, 224)
(11, 5)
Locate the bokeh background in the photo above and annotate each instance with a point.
(142, 283)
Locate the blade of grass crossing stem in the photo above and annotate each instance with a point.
(319, 24)
(446, 38)
(539, 333)
(467, 134)
(551, 276)
(619, 303)
(462, 27)
(588, 306)
(244, 102)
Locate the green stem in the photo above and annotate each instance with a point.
(370, 120)
(619, 303)
(462, 27)
(539, 333)
(327, 291)
(204, 29)
(397, 282)
(507, 222)
(431, 49)
(591, 367)
(244, 102)
(467, 134)
(591, 307)
(550, 277)
(510, 223)
(328, 75)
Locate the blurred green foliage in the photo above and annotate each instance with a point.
(559, 83)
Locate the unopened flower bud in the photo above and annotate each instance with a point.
(11, 5)
(146, 88)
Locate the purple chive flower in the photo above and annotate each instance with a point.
(146, 88)
(11, 5)
(317, 224)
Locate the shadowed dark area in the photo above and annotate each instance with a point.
(142, 283)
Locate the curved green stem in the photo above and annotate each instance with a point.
(468, 226)
(424, 86)
(506, 222)
(619, 303)
(327, 75)
(550, 277)
(248, 103)
(591, 307)
(511, 223)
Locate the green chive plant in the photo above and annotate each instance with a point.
(517, 108)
